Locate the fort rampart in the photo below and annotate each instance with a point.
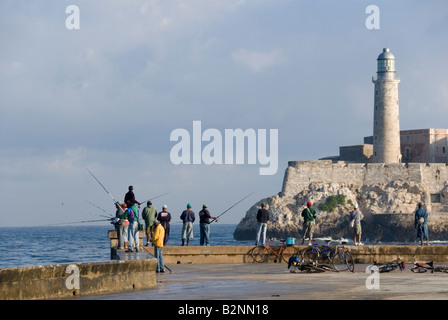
(300, 174)
(433, 177)
(387, 195)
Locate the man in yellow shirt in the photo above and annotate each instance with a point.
(157, 240)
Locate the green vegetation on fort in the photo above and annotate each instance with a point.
(332, 202)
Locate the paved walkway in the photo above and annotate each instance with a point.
(253, 281)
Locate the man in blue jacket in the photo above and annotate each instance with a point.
(188, 218)
(421, 223)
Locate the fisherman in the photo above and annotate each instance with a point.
(133, 234)
(120, 226)
(149, 214)
(157, 239)
(204, 225)
(421, 224)
(262, 218)
(124, 225)
(309, 216)
(356, 216)
(129, 197)
(165, 218)
(188, 218)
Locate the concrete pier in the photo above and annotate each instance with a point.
(366, 254)
(241, 254)
(77, 279)
(267, 283)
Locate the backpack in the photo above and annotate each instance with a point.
(293, 261)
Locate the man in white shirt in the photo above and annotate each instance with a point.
(356, 217)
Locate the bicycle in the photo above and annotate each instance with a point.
(261, 254)
(420, 267)
(340, 258)
(310, 267)
(390, 266)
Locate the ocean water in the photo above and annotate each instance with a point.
(30, 246)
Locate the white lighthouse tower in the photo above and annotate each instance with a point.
(386, 127)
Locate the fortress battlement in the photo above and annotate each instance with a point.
(300, 174)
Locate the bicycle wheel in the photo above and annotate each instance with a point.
(386, 268)
(441, 269)
(310, 268)
(338, 261)
(310, 254)
(349, 261)
(288, 252)
(260, 254)
(418, 270)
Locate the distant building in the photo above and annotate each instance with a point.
(420, 145)
(388, 144)
(424, 145)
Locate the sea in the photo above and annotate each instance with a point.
(32, 246)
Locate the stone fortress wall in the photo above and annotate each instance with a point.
(432, 178)
(387, 194)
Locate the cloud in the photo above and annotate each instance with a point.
(257, 61)
(108, 95)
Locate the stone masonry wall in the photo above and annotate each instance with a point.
(387, 194)
(432, 177)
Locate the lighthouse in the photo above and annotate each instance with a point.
(386, 124)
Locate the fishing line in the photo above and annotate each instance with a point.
(232, 207)
(163, 194)
(110, 195)
(153, 255)
(108, 215)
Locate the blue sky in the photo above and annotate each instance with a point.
(107, 96)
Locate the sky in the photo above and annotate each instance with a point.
(106, 94)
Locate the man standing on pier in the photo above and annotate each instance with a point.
(129, 197)
(165, 218)
(421, 224)
(149, 214)
(204, 225)
(188, 218)
(309, 216)
(356, 216)
(158, 239)
(262, 218)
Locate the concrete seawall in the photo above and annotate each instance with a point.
(361, 254)
(241, 254)
(68, 280)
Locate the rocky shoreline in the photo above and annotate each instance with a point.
(376, 228)
(387, 197)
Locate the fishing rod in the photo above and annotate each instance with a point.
(101, 215)
(231, 207)
(163, 194)
(113, 199)
(84, 221)
(96, 214)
